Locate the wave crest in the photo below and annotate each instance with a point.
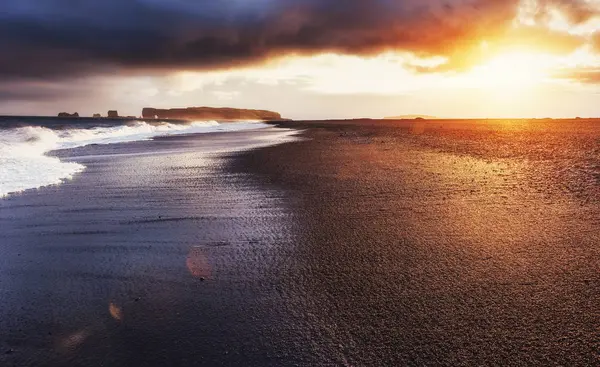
(24, 165)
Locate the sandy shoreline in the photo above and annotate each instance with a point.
(359, 246)
(153, 256)
(445, 244)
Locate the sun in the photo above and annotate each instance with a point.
(508, 83)
(511, 70)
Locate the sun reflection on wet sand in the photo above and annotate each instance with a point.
(197, 263)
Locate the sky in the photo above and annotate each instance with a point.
(307, 59)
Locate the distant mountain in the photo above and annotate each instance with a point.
(209, 113)
(412, 117)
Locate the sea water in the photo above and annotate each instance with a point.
(25, 144)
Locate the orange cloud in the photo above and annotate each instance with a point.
(576, 11)
(589, 75)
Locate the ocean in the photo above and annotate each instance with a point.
(26, 141)
(348, 243)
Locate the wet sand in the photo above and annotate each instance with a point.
(405, 244)
(153, 256)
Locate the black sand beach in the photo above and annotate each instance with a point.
(364, 244)
(445, 243)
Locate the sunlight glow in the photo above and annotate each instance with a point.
(511, 70)
(328, 73)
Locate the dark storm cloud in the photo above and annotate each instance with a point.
(59, 38)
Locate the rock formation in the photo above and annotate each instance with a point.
(209, 113)
(113, 114)
(66, 114)
(97, 115)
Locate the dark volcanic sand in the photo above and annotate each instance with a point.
(443, 243)
(405, 244)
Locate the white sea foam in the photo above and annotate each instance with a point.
(25, 165)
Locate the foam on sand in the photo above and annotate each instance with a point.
(24, 164)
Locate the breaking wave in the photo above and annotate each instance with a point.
(24, 164)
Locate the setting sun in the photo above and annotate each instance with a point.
(512, 70)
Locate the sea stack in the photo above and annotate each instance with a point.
(113, 114)
(66, 114)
